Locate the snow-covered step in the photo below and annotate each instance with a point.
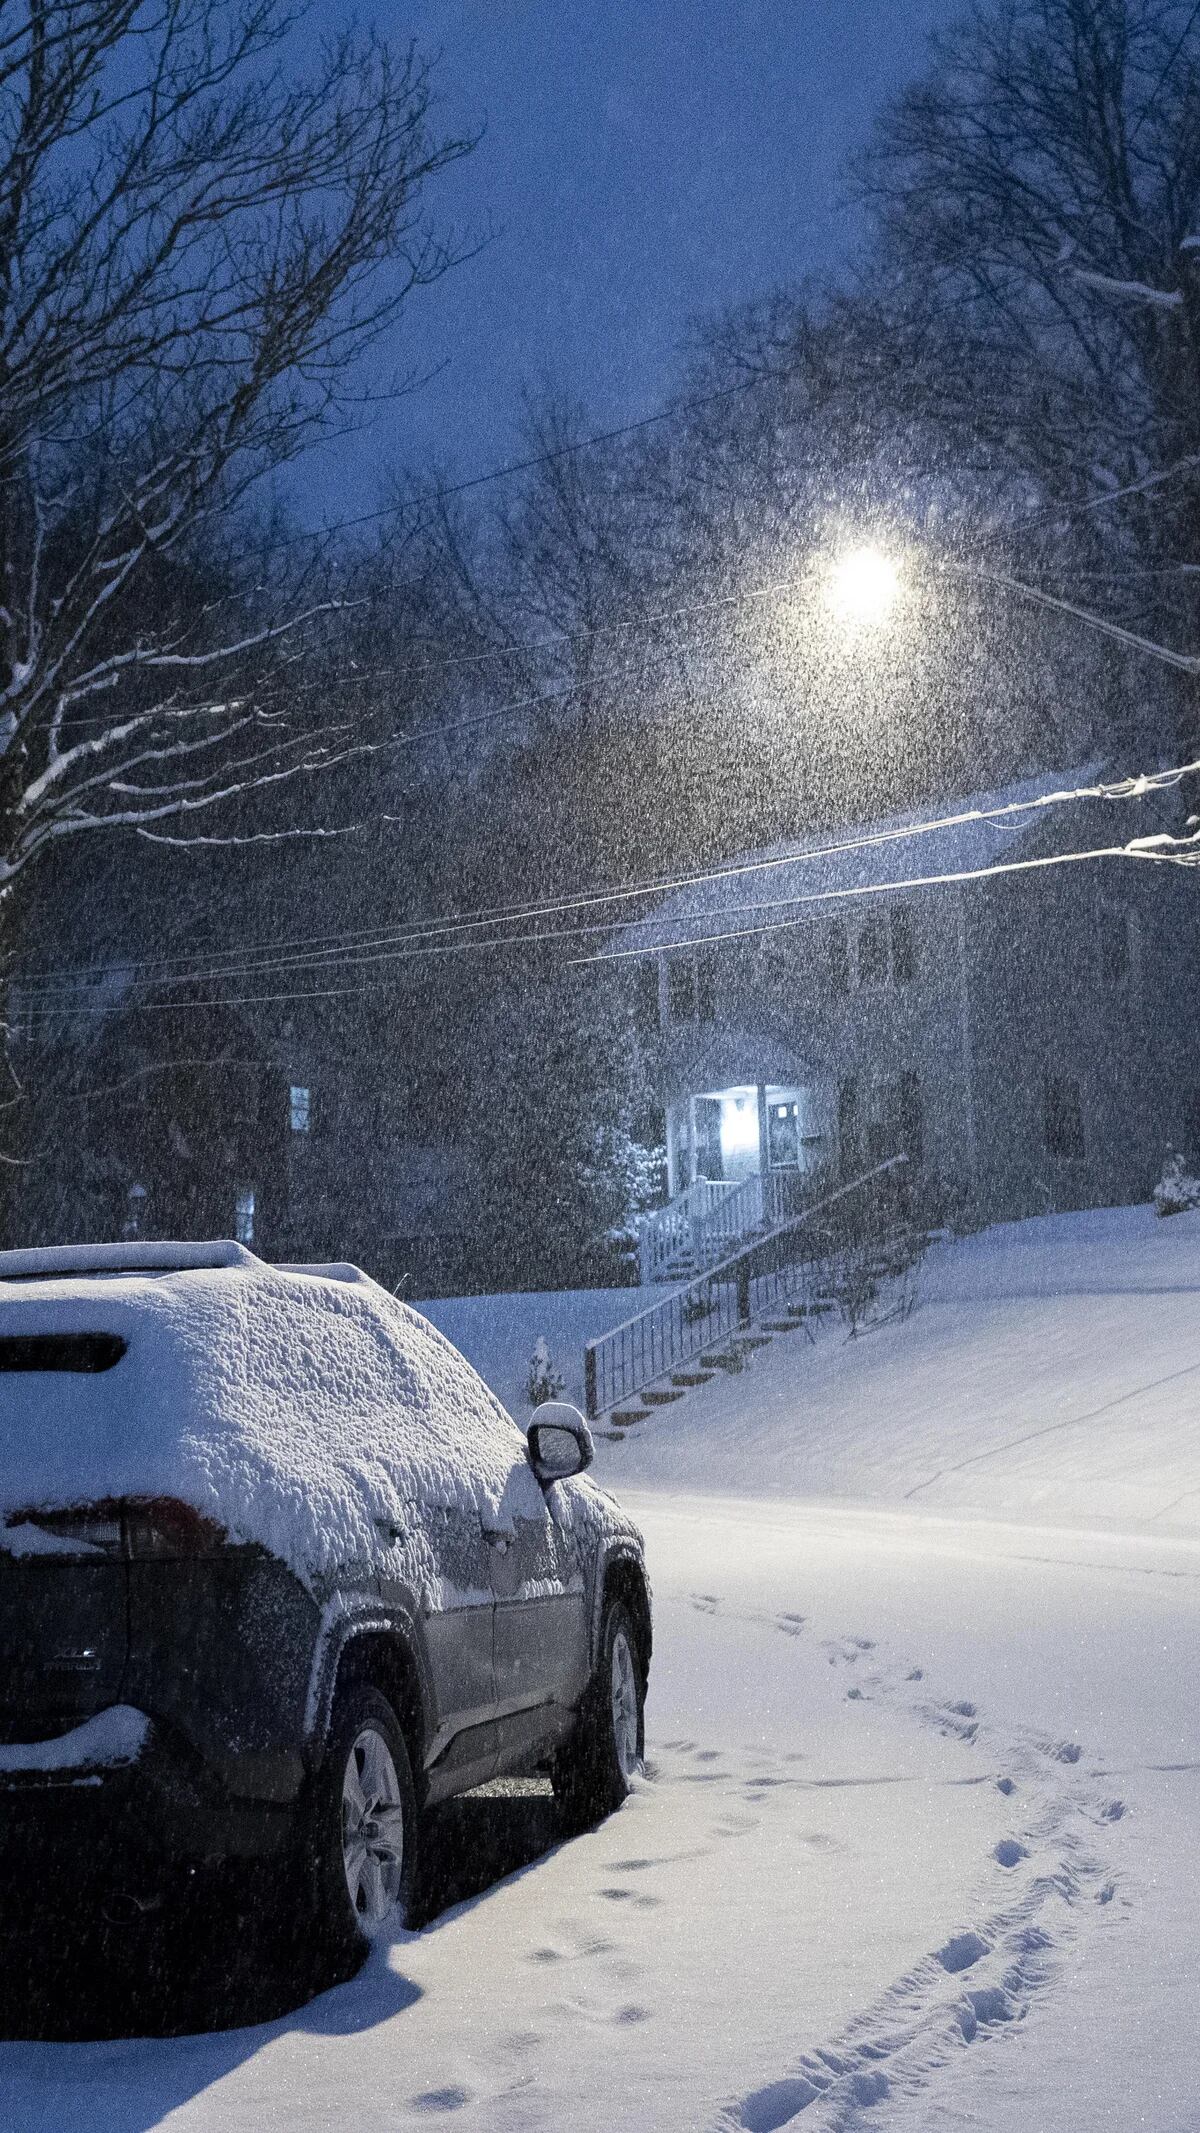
(721, 1359)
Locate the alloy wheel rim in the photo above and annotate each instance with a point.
(624, 1705)
(372, 1830)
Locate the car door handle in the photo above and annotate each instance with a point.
(501, 1542)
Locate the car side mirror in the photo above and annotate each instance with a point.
(560, 1442)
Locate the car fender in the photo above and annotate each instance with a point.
(344, 1620)
(615, 1548)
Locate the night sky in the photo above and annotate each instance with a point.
(644, 160)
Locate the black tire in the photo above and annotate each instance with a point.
(345, 1928)
(590, 1775)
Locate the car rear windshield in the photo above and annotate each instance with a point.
(84, 1352)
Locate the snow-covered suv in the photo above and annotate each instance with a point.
(277, 1570)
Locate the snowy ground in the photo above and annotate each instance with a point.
(916, 1849)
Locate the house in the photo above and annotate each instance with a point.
(157, 1122)
(1026, 1038)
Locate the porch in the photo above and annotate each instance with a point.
(740, 1160)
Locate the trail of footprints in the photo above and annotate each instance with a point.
(984, 1978)
(1049, 1876)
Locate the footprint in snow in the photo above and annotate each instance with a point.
(1066, 1751)
(1009, 1853)
(706, 1603)
(448, 2099)
(960, 1952)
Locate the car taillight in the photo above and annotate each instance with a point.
(92, 1528)
(160, 1528)
(146, 1528)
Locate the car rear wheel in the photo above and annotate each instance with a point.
(364, 1827)
(593, 1773)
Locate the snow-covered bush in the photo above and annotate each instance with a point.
(544, 1381)
(1177, 1190)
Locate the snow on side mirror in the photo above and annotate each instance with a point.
(560, 1442)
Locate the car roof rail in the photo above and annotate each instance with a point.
(329, 1270)
(50, 1262)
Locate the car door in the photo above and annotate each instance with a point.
(457, 1625)
(540, 1638)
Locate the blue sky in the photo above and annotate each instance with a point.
(644, 160)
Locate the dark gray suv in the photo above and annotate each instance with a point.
(277, 1571)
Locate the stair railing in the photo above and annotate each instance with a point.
(764, 1271)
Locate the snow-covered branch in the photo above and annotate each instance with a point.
(196, 245)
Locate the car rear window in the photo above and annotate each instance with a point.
(81, 1352)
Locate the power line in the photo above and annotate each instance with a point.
(1162, 848)
(419, 931)
(424, 941)
(1137, 848)
(553, 453)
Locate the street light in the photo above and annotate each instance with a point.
(864, 586)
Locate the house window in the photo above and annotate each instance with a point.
(243, 1215)
(706, 985)
(849, 1124)
(1062, 1110)
(873, 952)
(1116, 947)
(908, 1113)
(904, 947)
(299, 1109)
(645, 996)
(681, 988)
(839, 959)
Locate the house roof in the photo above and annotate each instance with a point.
(782, 884)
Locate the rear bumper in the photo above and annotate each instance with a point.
(160, 1801)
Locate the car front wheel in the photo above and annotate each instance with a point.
(594, 1771)
(364, 1826)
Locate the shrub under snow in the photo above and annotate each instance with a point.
(1177, 1191)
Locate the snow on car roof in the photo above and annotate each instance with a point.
(302, 1410)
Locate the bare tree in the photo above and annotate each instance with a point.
(1037, 199)
(196, 247)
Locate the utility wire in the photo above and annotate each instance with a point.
(1162, 848)
(430, 942)
(328, 947)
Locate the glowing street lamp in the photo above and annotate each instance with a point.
(864, 587)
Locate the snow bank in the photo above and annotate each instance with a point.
(108, 1741)
(498, 1333)
(1051, 1372)
(306, 1411)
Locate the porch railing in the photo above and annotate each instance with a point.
(703, 1224)
(765, 1272)
(666, 1234)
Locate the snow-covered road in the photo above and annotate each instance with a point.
(916, 1850)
